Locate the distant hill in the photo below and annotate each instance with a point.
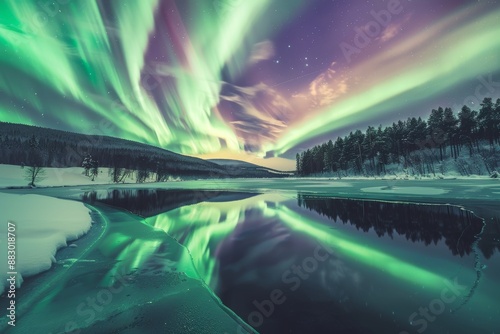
(248, 167)
(31, 145)
(230, 162)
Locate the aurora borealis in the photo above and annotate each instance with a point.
(241, 79)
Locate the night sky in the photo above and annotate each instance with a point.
(238, 78)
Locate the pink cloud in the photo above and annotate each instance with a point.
(392, 30)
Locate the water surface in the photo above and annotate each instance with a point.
(305, 264)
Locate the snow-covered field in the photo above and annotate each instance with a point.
(42, 226)
(13, 176)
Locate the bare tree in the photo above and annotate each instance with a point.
(118, 174)
(34, 174)
(94, 171)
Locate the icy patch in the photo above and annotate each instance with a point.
(43, 225)
(325, 184)
(406, 190)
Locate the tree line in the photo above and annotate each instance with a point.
(415, 143)
(32, 145)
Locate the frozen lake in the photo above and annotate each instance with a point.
(299, 264)
(286, 256)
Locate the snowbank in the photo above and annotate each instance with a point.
(43, 225)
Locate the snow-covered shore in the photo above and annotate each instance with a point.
(13, 176)
(42, 226)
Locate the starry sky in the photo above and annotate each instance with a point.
(252, 80)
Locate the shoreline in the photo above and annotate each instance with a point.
(101, 264)
(478, 195)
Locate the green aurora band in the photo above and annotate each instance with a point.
(86, 70)
(82, 66)
(438, 71)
